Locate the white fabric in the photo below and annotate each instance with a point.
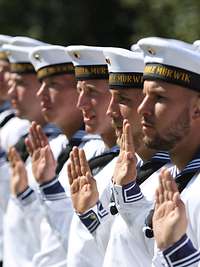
(56, 224)
(12, 131)
(83, 250)
(190, 197)
(20, 247)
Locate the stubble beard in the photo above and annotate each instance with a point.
(173, 134)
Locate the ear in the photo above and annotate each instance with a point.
(196, 107)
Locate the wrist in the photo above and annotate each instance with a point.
(46, 179)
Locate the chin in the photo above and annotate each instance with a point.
(90, 130)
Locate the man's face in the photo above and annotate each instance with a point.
(22, 93)
(123, 105)
(58, 98)
(166, 114)
(94, 98)
(4, 77)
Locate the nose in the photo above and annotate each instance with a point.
(83, 100)
(113, 108)
(43, 90)
(145, 107)
(12, 89)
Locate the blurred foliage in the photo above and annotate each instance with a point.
(100, 22)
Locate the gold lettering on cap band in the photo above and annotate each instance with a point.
(171, 74)
(3, 56)
(66, 68)
(91, 72)
(22, 68)
(126, 80)
(167, 72)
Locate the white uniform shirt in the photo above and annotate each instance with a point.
(56, 224)
(83, 250)
(22, 234)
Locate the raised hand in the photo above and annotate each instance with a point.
(43, 162)
(169, 220)
(19, 181)
(125, 168)
(83, 187)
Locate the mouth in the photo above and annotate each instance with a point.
(88, 118)
(45, 106)
(14, 104)
(146, 124)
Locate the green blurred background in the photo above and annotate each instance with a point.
(100, 22)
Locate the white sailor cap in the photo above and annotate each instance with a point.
(18, 57)
(125, 68)
(51, 60)
(196, 44)
(172, 61)
(4, 39)
(25, 41)
(89, 62)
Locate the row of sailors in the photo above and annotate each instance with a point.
(84, 164)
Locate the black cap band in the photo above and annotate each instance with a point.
(3, 56)
(47, 71)
(91, 72)
(174, 75)
(126, 80)
(22, 68)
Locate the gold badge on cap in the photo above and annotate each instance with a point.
(77, 55)
(108, 61)
(37, 57)
(151, 51)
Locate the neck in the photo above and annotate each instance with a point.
(70, 130)
(145, 153)
(2, 101)
(39, 120)
(183, 153)
(109, 138)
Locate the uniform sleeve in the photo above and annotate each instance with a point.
(58, 208)
(182, 253)
(134, 208)
(132, 205)
(32, 211)
(98, 221)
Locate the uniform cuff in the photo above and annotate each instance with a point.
(127, 193)
(26, 197)
(52, 190)
(92, 218)
(181, 253)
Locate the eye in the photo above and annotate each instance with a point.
(123, 100)
(160, 98)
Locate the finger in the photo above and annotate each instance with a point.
(10, 154)
(76, 160)
(129, 146)
(161, 189)
(164, 181)
(10, 157)
(75, 186)
(41, 136)
(16, 156)
(69, 173)
(157, 200)
(34, 136)
(83, 163)
(168, 181)
(29, 145)
(73, 169)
